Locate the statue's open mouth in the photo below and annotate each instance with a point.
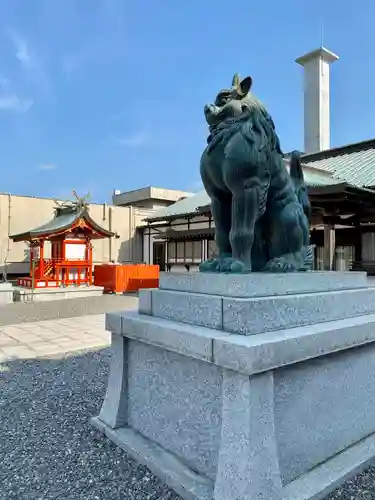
(212, 114)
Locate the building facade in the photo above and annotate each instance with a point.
(341, 184)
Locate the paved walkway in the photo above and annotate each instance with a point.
(43, 338)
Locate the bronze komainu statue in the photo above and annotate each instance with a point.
(261, 212)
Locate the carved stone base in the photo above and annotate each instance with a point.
(284, 414)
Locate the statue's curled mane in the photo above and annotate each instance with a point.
(258, 121)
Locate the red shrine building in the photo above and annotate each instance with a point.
(69, 236)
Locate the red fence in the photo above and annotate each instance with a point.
(119, 278)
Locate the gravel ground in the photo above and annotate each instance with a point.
(49, 451)
(22, 312)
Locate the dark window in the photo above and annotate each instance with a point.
(172, 251)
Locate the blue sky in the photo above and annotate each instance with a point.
(97, 95)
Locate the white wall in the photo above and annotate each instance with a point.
(23, 213)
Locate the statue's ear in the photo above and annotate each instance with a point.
(244, 87)
(236, 80)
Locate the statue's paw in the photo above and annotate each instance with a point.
(209, 266)
(239, 267)
(234, 266)
(280, 265)
(225, 264)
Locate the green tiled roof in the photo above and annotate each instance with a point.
(354, 164)
(56, 224)
(183, 207)
(201, 199)
(317, 179)
(60, 222)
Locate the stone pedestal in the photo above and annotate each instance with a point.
(246, 387)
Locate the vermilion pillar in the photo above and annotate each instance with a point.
(41, 259)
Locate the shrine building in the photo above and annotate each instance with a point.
(69, 234)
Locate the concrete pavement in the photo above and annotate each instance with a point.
(59, 336)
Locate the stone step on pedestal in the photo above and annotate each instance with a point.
(258, 313)
(262, 284)
(249, 354)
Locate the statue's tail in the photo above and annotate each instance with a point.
(296, 174)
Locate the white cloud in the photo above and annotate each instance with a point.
(22, 50)
(10, 99)
(32, 65)
(11, 102)
(46, 166)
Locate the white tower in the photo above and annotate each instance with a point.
(316, 99)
